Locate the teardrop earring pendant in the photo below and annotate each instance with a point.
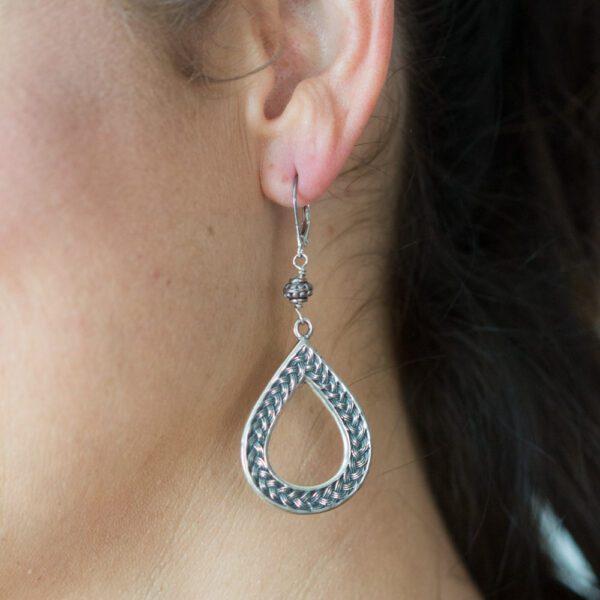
(305, 365)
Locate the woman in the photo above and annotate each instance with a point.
(449, 152)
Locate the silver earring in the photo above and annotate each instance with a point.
(304, 365)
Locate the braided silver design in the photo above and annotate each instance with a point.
(305, 365)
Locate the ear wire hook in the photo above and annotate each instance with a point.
(302, 229)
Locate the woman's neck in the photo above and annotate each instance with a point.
(174, 516)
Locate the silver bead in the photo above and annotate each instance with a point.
(297, 290)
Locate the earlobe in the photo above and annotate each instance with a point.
(337, 73)
(307, 140)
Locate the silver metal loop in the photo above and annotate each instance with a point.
(300, 261)
(303, 322)
(302, 229)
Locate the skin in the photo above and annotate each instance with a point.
(145, 235)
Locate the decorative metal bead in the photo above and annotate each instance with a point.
(297, 290)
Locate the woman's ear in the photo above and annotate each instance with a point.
(310, 105)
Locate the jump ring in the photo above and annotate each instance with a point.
(300, 257)
(307, 324)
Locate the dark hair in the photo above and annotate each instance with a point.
(496, 277)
